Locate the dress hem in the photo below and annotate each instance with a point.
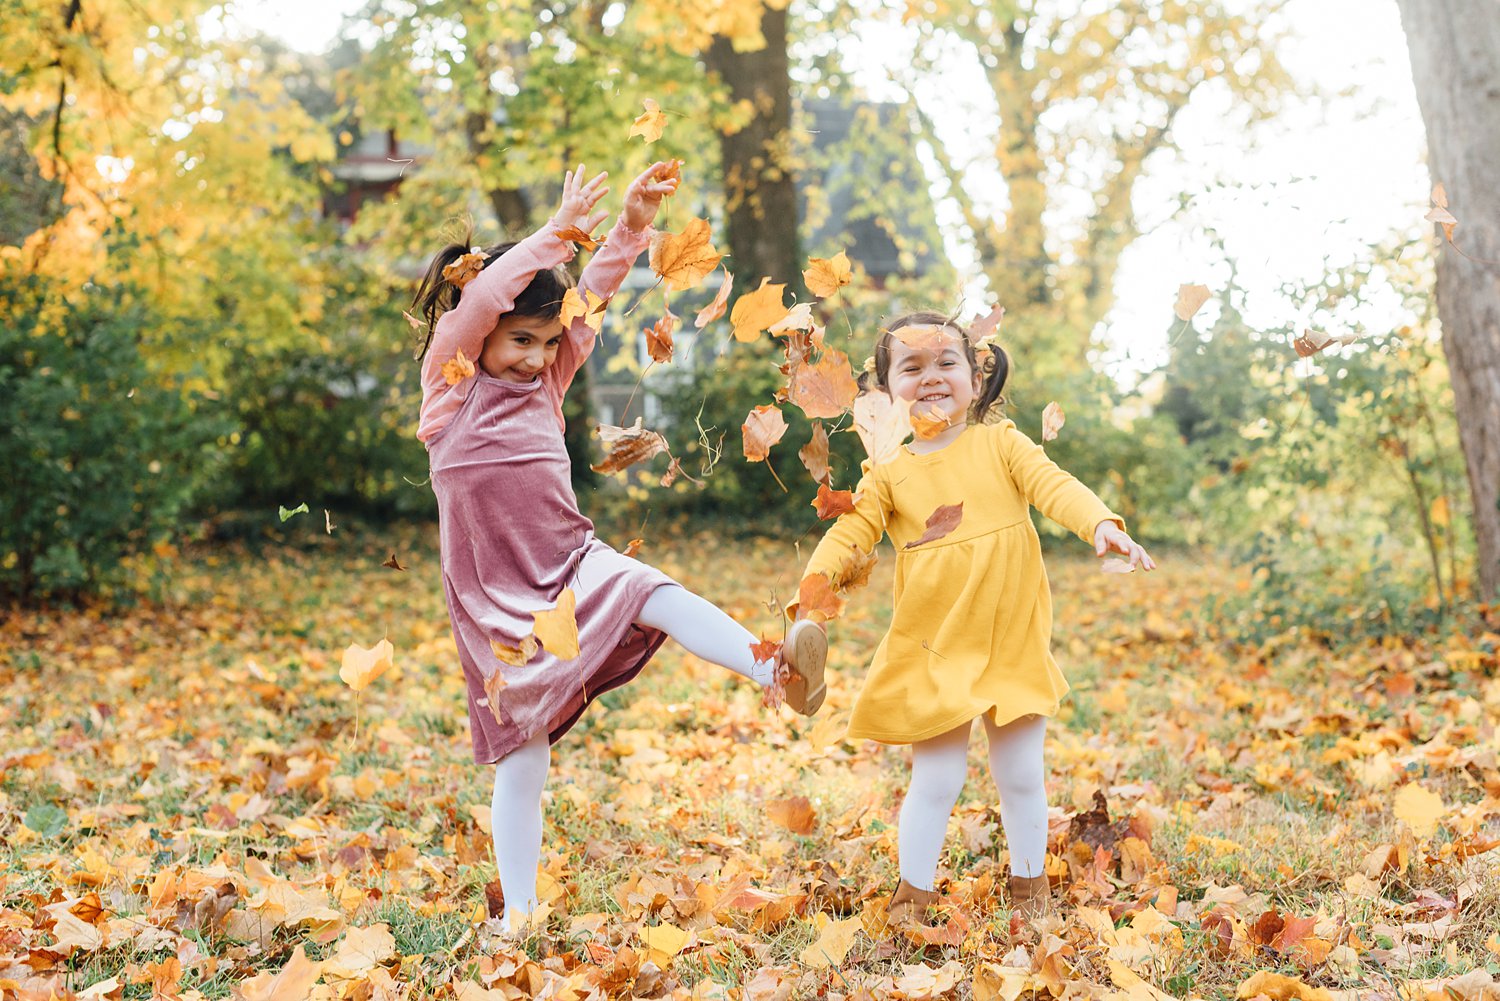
(886, 737)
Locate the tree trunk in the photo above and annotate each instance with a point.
(1455, 62)
(760, 191)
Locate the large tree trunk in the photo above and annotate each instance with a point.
(760, 190)
(1455, 61)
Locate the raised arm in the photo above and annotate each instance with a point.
(1051, 489)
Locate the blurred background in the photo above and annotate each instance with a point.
(212, 217)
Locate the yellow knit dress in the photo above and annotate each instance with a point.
(971, 626)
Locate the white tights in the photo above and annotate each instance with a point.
(938, 768)
(706, 632)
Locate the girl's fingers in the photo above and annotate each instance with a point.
(595, 220)
(596, 180)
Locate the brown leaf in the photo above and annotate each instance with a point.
(814, 454)
(715, 309)
(465, 269)
(1052, 421)
(659, 337)
(495, 683)
(853, 572)
(627, 446)
(939, 524)
(832, 503)
(987, 326)
(684, 259)
(795, 814)
(816, 600)
(573, 234)
(416, 324)
(674, 470)
(1190, 299)
(1093, 827)
(826, 388)
(824, 277)
(755, 311)
(557, 627)
(763, 428)
(457, 369)
(650, 124)
(293, 982)
(394, 563)
(515, 656)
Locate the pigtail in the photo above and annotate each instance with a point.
(994, 367)
(436, 295)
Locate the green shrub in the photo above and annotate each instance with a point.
(98, 455)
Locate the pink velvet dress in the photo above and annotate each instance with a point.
(511, 534)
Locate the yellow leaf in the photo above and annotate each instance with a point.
(293, 983)
(825, 277)
(835, 938)
(1439, 511)
(684, 259)
(574, 306)
(363, 666)
(1190, 299)
(361, 950)
(1280, 988)
(664, 941)
(515, 656)
(457, 369)
(1419, 809)
(557, 628)
(651, 124)
(755, 311)
(882, 425)
(828, 731)
(715, 309)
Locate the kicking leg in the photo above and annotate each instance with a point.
(705, 631)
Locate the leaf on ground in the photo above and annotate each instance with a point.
(816, 599)
(715, 309)
(795, 814)
(362, 666)
(1190, 299)
(1419, 809)
(814, 454)
(825, 388)
(763, 427)
(1052, 421)
(293, 982)
(587, 305)
(659, 337)
(755, 311)
(361, 950)
(650, 124)
(457, 369)
(835, 939)
(832, 503)
(557, 627)
(664, 941)
(825, 276)
(573, 234)
(882, 425)
(465, 269)
(940, 523)
(684, 259)
(627, 446)
(1281, 988)
(515, 656)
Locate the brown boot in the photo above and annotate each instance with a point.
(805, 651)
(1030, 896)
(908, 906)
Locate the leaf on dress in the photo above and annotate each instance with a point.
(825, 388)
(832, 503)
(1052, 421)
(939, 524)
(763, 427)
(557, 627)
(825, 276)
(882, 425)
(814, 454)
(755, 311)
(457, 369)
(627, 446)
(715, 309)
(684, 259)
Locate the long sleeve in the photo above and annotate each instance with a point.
(464, 328)
(1051, 489)
(859, 529)
(602, 276)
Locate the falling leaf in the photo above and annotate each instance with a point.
(659, 337)
(832, 503)
(795, 814)
(816, 599)
(1116, 565)
(287, 512)
(674, 470)
(853, 572)
(557, 628)
(1052, 421)
(494, 681)
(1439, 213)
(574, 306)
(882, 425)
(715, 309)
(825, 388)
(927, 422)
(627, 446)
(799, 317)
(814, 454)
(1190, 299)
(651, 124)
(684, 259)
(515, 656)
(457, 369)
(755, 311)
(293, 982)
(394, 563)
(987, 327)
(925, 336)
(573, 234)
(763, 428)
(939, 524)
(465, 269)
(1419, 809)
(362, 666)
(634, 546)
(328, 521)
(416, 324)
(835, 939)
(824, 277)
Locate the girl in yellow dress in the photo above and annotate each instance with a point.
(972, 617)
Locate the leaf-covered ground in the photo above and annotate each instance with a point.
(194, 804)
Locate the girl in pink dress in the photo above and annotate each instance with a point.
(512, 537)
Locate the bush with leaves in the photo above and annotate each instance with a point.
(98, 454)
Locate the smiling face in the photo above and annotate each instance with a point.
(933, 374)
(521, 347)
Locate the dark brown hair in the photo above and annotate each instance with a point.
(993, 373)
(435, 295)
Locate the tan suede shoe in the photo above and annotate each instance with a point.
(805, 652)
(908, 906)
(1030, 896)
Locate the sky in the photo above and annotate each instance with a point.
(1314, 188)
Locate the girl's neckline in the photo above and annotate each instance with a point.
(938, 451)
(518, 387)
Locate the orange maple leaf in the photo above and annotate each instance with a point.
(651, 124)
(715, 309)
(634, 546)
(659, 337)
(825, 388)
(457, 369)
(795, 814)
(627, 446)
(574, 306)
(825, 276)
(939, 524)
(832, 503)
(557, 627)
(816, 599)
(763, 428)
(465, 269)
(928, 422)
(755, 311)
(765, 650)
(573, 234)
(684, 259)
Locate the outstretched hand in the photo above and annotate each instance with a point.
(645, 193)
(578, 200)
(1109, 537)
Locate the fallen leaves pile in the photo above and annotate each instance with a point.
(189, 809)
